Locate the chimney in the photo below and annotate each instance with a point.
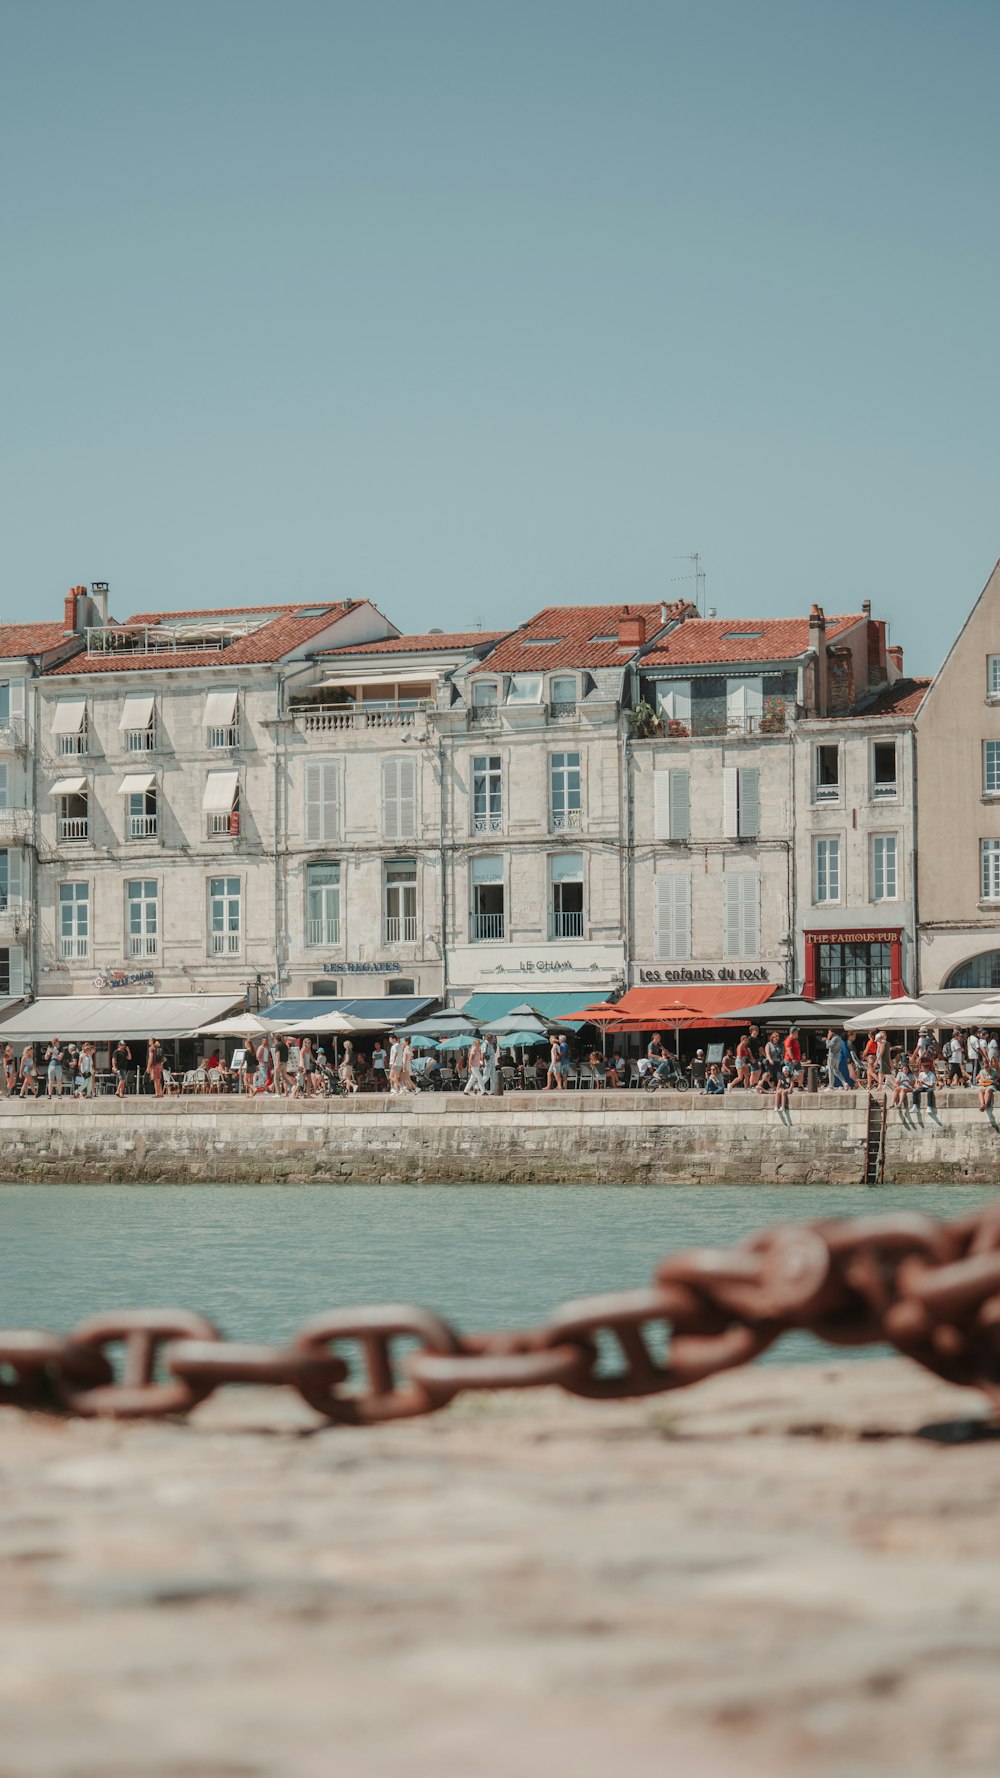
(817, 642)
(631, 629)
(866, 607)
(840, 682)
(895, 654)
(877, 673)
(99, 599)
(73, 610)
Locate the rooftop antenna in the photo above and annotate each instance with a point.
(698, 577)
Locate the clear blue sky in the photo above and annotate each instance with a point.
(467, 307)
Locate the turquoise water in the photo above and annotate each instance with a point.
(258, 1259)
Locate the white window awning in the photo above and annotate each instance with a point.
(136, 783)
(403, 676)
(220, 709)
(137, 712)
(69, 716)
(220, 792)
(68, 787)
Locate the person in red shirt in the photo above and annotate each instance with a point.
(793, 1056)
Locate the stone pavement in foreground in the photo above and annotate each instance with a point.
(769, 1575)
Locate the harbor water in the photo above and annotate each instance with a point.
(258, 1259)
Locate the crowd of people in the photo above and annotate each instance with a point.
(297, 1068)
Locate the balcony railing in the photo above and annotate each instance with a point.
(486, 926)
(72, 744)
(142, 944)
(566, 818)
(73, 949)
(14, 918)
(224, 825)
(17, 824)
(562, 710)
(483, 713)
(142, 827)
(74, 827)
(13, 734)
(333, 719)
(400, 929)
(140, 740)
(229, 736)
(826, 793)
(567, 925)
(323, 932)
(487, 824)
(885, 790)
(225, 944)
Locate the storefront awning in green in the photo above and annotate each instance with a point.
(485, 1007)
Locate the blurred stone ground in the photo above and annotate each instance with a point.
(770, 1575)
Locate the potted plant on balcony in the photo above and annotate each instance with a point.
(645, 722)
(772, 720)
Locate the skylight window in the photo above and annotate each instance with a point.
(604, 638)
(742, 635)
(542, 641)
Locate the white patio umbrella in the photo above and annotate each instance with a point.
(985, 1013)
(327, 1021)
(903, 1014)
(244, 1024)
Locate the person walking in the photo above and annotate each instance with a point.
(379, 1065)
(792, 1055)
(953, 1051)
(406, 1080)
(474, 1084)
(395, 1062)
(28, 1073)
(491, 1059)
(54, 1069)
(280, 1082)
(9, 1071)
(154, 1065)
(85, 1072)
(552, 1080)
(121, 1061)
(834, 1051)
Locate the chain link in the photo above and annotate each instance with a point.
(930, 1289)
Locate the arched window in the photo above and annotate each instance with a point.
(979, 972)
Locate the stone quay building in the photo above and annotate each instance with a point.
(298, 801)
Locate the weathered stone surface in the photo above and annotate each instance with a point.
(599, 1137)
(771, 1576)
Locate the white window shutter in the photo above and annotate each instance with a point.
(751, 913)
(4, 786)
(672, 913)
(661, 805)
(390, 799)
(731, 916)
(754, 701)
(407, 781)
(16, 695)
(680, 805)
(736, 702)
(674, 699)
(749, 802)
(14, 875)
(16, 972)
(729, 802)
(322, 822)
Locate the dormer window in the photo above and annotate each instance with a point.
(525, 688)
(484, 700)
(563, 695)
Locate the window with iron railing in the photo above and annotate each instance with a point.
(140, 740)
(400, 902)
(487, 793)
(227, 736)
(73, 744)
(487, 915)
(323, 904)
(142, 912)
(142, 815)
(74, 920)
(565, 796)
(566, 892)
(225, 916)
(74, 818)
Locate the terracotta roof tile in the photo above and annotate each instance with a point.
(16, 639)
(270, 643)
(575, 636)
(903, 698)
(702, 641)
(425, 644)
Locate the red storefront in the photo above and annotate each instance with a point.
(861, 964)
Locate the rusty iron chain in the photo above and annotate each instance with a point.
(930, 1289)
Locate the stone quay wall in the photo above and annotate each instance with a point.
(599, 1137)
